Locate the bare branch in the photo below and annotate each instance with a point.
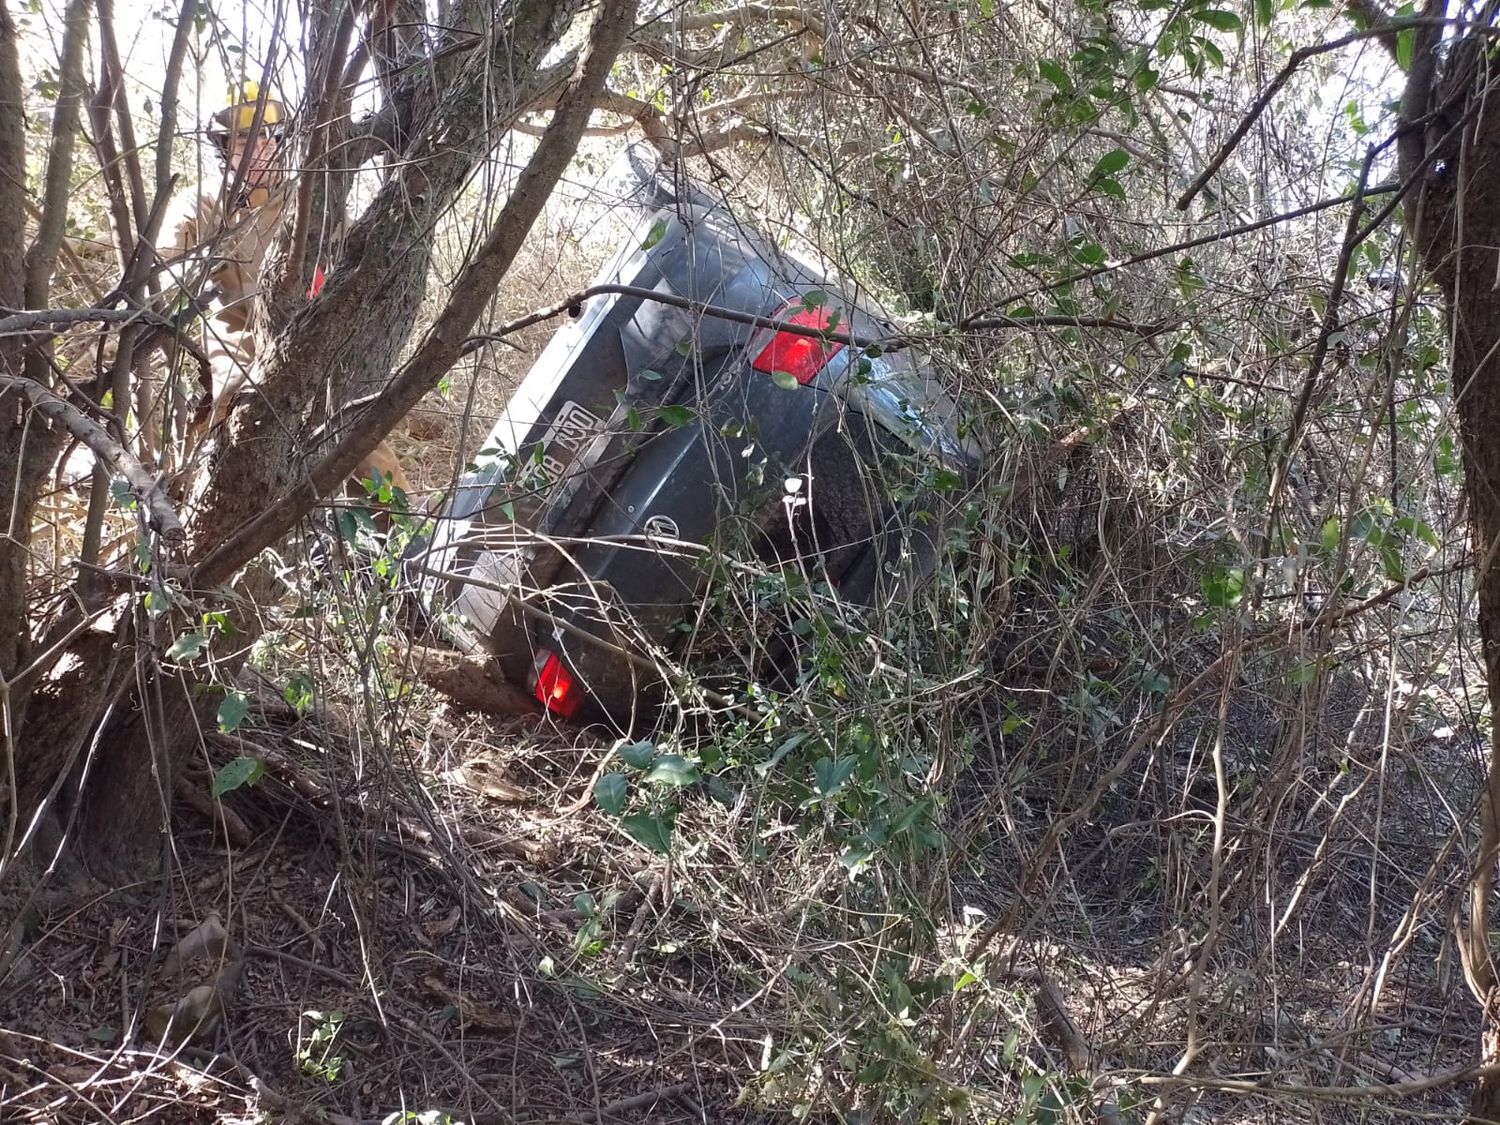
(40, 321)
(1193, 243)
(793, 14)
(109, 51)
(574, 303)
(171, 80)
(145, 486)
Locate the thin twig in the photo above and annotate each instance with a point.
(573, 305)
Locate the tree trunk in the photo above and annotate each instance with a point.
(1449, 148)
(27, 444)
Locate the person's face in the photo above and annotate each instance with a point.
(256, 154)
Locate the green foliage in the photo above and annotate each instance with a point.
(237, 774)
(232, 711)
(317, 1044)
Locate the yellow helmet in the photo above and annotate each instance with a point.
(239, 115)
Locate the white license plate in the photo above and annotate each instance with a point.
(572, 429)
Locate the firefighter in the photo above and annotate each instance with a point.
(233, 234)
(230, 230)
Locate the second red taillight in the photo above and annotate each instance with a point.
(801, 357)
(555, 688)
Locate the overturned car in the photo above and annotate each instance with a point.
(714, 397)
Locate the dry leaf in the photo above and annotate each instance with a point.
(208, 941)
(480, 776)
(195, 1016)
(443, 926)
(208, 955)
(475, 1015)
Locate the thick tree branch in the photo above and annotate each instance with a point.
(145, 486)
(1373, 15)
(1416, 99)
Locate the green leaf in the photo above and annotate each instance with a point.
(1332, 532)
(685, 347)
(1218, 19)
(122, 494)
(219, 620)
(785, 380)
(814, 299)
(677, 416)
(657, 232)
(236, 775)
(856, 857)
(299, 692)
(352, 522)
(1265, 12)
(1304, 672)
(1186, 275)
(672, 769)
(1154, 682)
(637, 755)
(1112, 188)
(1224, 587)
(1406, 42)
(1414, 525)
(651, 830)
(829, 774)
(1053, 72)
(1091, 253)
(610, 792)
(1111, 163)
(1390, 563)
(187, 647)
(232, 711)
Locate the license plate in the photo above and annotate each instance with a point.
(572, 430)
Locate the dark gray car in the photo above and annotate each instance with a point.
(661, 428)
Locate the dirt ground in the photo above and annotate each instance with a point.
(447, 941)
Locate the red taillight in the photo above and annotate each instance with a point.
(801, 357)
(556, 689)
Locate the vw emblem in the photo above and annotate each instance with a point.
(660, 526)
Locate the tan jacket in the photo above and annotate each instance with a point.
(234, 246)
(235, 249)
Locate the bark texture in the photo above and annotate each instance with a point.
(1449, 149)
